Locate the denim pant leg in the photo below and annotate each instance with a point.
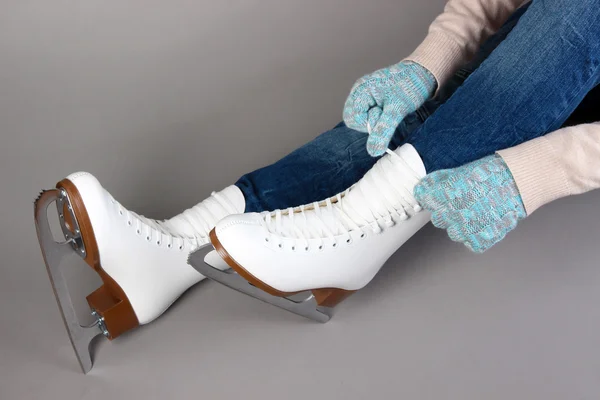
(529, 86)
(323, 167)
(415, 120)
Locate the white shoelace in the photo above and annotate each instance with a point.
(199, 217)
(384, 192)
(152, 229)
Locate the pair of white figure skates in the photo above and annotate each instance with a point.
(305, 259)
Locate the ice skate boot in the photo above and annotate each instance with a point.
(326, 250)
(142, 262)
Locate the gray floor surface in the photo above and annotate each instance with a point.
(166, 101)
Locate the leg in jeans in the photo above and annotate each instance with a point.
(320, 169)
(529, 86)
(338, 158)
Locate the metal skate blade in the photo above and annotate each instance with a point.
(54, 253)
(207, 262)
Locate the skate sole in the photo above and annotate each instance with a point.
(326, 297)
(109, 301)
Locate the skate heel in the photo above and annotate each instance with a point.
(331, 297)
(109, 303)
(112, 308)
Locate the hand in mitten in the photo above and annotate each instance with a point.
(477, 203)
(384, 98)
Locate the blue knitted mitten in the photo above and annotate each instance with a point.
(478, 203)
(384, 98)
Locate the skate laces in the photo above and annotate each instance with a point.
(383, 193)
(153, 230)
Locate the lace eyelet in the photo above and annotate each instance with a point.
(306, 248)
(363, 235)
(158, 242)
(334, 245)
(138, 231)
(148, 238)
(169, 245)
(321, 247)
(266, 239)
(129, 223)
(348, 241)
(120, 212)
(294, 248)
(181, 247)
(280, 245)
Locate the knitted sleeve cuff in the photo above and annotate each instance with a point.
(537, 171)
(439, 54)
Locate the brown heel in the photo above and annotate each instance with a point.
(114, 308)
(331, 297)
(109, 300)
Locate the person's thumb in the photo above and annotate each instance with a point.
(383, 131)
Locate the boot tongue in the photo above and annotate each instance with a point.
(365, 201)
(410, 155)
(235, 196)
(201, 218)
(372, 195)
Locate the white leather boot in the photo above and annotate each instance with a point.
(142, 262)
(333, 247)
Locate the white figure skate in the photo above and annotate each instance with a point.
(325, 250)
(142, 262)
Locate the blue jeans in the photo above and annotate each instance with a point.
(536, 74)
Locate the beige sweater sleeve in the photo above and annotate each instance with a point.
(562, 163)
(456, 34)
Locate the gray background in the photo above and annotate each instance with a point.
(165, 101)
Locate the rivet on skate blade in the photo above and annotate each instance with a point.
(100, 323)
